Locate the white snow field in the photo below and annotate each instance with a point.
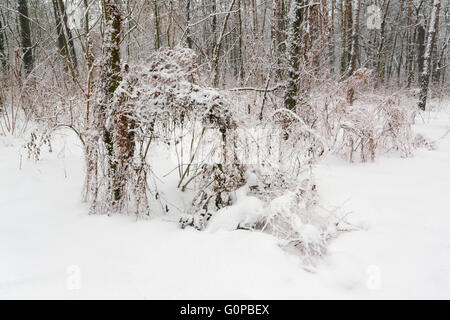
(51, 248)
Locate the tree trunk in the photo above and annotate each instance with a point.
(278, 35)
(116, 138)
(420, 43)
(214, 26)
(157, 26)
(111, 145)
(25, 36)
(67, 37)
(3, 57)
(346, 34)
(394, 45)
(241, 55)
(355, 36)
(381, 56)
(409, 47)
(331, 40)
(188, 21)
(255, 18)
(59, 29)
(440, 67)
(432, 33)
(294, 49)
(219, 42)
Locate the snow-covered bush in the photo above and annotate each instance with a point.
(265, 183)
(15, 104)
(364, 124)
(290, 211)
(274, 202)
(370, 128)
(216, 185)
(36, 142)
(278, 194)
(158, 98)
(166, 88)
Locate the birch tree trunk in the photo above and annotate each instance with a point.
(428, 55)
(355, 36)
(354, 49)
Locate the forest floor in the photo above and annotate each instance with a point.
(51, 248)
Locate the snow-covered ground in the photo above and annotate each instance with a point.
(51, 248)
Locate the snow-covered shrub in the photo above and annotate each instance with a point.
(290, 210)
(369, 128)
(167, 88)
(357, 83)
(266, 184)
(362, 125)
(15, 105)
(278, 194)
(275, 202)
(420, 141)
(36, 142)
(215, 184)
(158, 98)
(397, 132)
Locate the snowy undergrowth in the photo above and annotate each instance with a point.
(403, 251)
(238, 180)
(224, 152)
